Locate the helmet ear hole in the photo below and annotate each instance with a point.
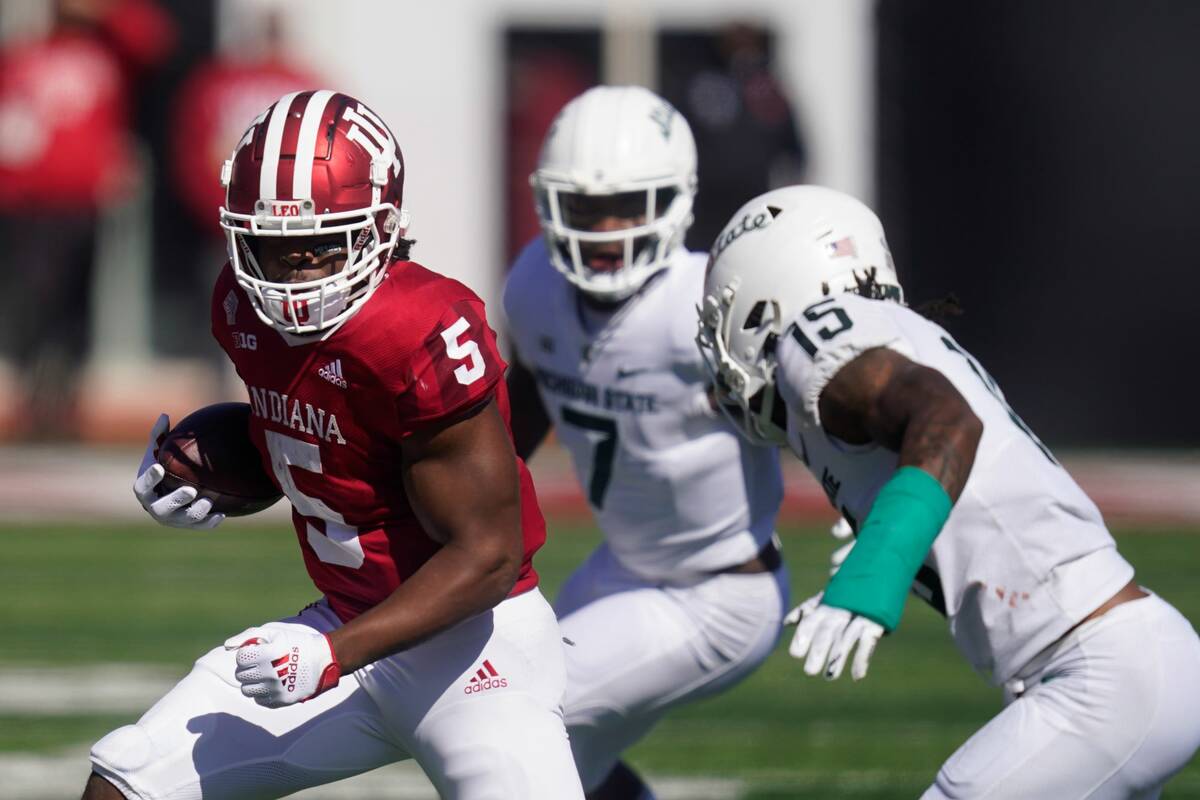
(755, 317)
(769, 343)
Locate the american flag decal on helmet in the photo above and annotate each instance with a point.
(842, 247)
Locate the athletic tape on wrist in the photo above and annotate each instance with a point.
(907, 516)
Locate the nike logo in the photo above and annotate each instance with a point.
(629, 372)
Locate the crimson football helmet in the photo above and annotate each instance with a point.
(314, 163)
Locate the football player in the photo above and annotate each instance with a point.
(379, 406)
(683, 597)
(809, 341)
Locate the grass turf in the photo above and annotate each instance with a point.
(99, 594)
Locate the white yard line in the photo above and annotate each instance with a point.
(74, 482)
(53, 777)
(95, 689)
(120, 689)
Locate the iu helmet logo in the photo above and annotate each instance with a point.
(319, 146)
(301, 311)
(315, 163)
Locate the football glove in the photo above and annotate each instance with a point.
(825, 636)
(177, 509)
(841, 531)
(284, 664)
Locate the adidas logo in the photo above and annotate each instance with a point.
(332, 372)
(485, 678)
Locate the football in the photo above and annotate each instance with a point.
(211, 450)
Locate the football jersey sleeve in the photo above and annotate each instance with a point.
(524, 296)
(824, 338)
(457, 366)
(226, 298)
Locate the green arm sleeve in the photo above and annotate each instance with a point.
(907, 516)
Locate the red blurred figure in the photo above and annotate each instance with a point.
(65, 154)
(64, 102)
(214, 106)
(541, 84)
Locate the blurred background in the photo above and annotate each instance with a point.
(1039, 161)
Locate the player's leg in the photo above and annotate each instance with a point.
(622, 783)
(480, 706)
(98, 788)
(597, 577)
(639, 648)
(1112, 715)
(205, 739)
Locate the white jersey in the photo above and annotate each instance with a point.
(1024, 555)
(675, 490)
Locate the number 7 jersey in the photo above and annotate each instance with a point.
(675, 491)
(1024, 555)
(329, 417)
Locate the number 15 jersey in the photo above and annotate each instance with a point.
(329, 416)
(1024, 555)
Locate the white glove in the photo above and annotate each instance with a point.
(841, 531)
(284, 664)
(179, 509)
(826, 635)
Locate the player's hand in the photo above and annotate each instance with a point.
(177, 509)
(841, 531)
(284, 664)
(825, 636)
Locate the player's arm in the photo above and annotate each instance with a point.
(529, 420)
(883, 397)
(462, 481)
(180, 508)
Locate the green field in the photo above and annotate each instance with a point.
(145, 595)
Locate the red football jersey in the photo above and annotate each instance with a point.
(329, 418)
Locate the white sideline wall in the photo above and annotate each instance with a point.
(435, 72)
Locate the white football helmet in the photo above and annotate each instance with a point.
(615, 151)
(782, 252)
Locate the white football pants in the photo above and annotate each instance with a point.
(636, 648)
(478, 707)
(1109, 713)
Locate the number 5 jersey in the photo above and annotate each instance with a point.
(1025, 554)
(329, 416)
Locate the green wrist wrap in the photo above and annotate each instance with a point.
(874, 580)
